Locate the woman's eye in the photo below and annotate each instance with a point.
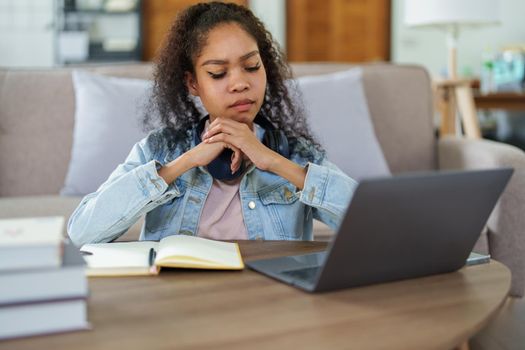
(253, 68)
(217, 75)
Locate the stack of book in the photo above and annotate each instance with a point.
(43, 285)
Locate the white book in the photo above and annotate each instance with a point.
(68, 281)
(42, 318)
(30, 242)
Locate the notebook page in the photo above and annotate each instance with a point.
(118, 254)
(196, 248)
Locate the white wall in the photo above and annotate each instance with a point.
(27, 33)
(428, 47)
(273, 14)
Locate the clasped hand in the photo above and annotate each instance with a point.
(227, 133)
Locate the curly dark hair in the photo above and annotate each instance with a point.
(175, 108)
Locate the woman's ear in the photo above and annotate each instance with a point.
(191, 84)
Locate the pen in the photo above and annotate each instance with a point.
(152, 255)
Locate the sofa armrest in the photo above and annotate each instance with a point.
(506, 225)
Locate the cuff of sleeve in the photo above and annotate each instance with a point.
(314, 185)
(153, 186)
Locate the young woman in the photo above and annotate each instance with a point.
(250, 169)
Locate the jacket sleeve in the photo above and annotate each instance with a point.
(328, 191)
(133, 189)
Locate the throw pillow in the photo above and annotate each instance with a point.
(107, 125)
(337, 111)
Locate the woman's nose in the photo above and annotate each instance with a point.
(239, 83)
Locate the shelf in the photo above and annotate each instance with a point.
(501, 100)
(97, 53)
(101, 12)
(121, 29)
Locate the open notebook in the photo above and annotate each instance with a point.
(147, 257)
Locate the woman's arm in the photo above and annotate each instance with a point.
(201, 155)
(323, 186)
(136, 187)
(328, 191)
(240, 136)
(287, 169)
(133, 189)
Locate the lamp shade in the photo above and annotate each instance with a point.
(446, 13)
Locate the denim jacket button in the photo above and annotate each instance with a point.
(287, 194)
(251, 205)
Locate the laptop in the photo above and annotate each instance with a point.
(398, 228)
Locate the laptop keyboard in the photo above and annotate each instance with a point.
(306, 274)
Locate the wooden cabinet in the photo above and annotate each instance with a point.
(338, 30)
(158, 15)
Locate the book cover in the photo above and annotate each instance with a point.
(20, 320)
(67, 281)
(31, 242)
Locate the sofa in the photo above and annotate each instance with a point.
(37, 110)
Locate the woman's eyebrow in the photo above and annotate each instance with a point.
(223, 62)
(208, 62)
(248, 55)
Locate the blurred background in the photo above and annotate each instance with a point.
(51, 33)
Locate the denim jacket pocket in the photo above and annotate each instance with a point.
(283, 193)
(284, 209)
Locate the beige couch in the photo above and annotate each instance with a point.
(36, 123)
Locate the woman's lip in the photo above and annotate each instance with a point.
(242, 102)
(242, 107)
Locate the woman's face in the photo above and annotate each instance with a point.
(230, 78)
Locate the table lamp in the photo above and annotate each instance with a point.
(450, 15)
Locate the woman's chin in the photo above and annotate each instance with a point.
(246, 118)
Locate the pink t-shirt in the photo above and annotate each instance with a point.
(221, 217)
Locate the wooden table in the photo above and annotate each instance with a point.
(500, 100)
(455, 96)
(241, 310)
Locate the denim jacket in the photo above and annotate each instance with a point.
(272, 208)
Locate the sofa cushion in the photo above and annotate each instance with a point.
(400, 101)
(107, 125)
(36, 120)
(337, 111)
(37, 117)
(108, 110)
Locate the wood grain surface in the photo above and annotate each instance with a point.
(189, 309)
